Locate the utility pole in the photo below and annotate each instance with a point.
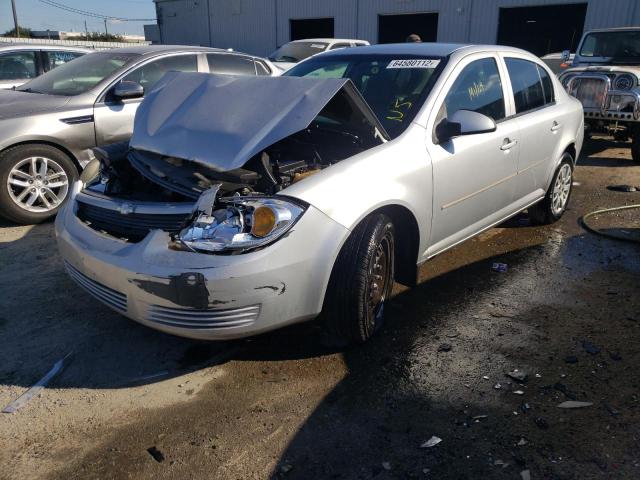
(106, 32)
(15, 18)
(86, 31)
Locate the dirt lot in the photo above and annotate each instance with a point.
(566, 313)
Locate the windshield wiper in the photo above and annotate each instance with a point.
(28, 90)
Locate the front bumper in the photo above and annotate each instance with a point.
(204, 296)
(609, 104)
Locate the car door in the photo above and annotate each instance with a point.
(18, 67)
(114, 117)
(473, 175)
(539, 122)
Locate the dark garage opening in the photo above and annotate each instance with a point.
(396, 28)
(311, 28)
(542, 30)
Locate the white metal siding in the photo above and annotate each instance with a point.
(258, 26)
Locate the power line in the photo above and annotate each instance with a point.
(87, 13)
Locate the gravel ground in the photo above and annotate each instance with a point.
(134, 403)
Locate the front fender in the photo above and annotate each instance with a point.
(395, 173)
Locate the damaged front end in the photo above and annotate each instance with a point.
(211, 158)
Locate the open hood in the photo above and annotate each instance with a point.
(222, 121)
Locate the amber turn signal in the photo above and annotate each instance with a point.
(264, 221)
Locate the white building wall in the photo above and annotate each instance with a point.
(259, 26)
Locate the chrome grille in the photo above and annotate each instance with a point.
(203, 319)
(106, 295)
(590, 92)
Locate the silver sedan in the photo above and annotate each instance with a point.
(319, 188)
(49, 125)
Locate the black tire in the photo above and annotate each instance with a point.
(354, 308)
(543, 212)
(635, 145)
(11, 158)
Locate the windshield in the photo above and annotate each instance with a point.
(625, 44)
(297, 51)
(79, 75)
(394, 86)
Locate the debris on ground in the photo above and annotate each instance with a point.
(499, 267)
(541, 423)
(613, 411)
(522, 442)
(23, 399)
(590, 347)
(571, 359)
(574, 404)
(525, 475)
(497, 386)
(624, 188)
(445, 347)
(386, 466)
(518, 392)
(615, 356)
(432, 442)
(518, 375)
(500, 463)
(157, 455)
(479, 418)
(286, 468)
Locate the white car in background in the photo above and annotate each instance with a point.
(21, 63)
(291, 53)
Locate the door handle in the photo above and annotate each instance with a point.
(508, 144)
(555, 127)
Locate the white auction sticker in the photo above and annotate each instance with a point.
(415, 63)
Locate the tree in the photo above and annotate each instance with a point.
(24, 32)
(100, 37)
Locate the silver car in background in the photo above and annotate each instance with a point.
(319, 188)
(49, 125)
(296, 51)
(21, 63)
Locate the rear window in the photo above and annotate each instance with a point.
(229, 64)
(527, 86)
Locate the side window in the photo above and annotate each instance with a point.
(547, 86)
(57, 58)
(478, 88)
(229, 64)
(526, 83)
(262, 69)
(18, 66)
(149, 74)
(340, 45)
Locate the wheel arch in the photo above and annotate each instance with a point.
(52, 144)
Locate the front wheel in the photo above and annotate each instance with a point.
(360, 284)
(552, 207)
(34, 182)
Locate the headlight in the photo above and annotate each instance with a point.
(624, 81)
(245, 223)
(565, 80)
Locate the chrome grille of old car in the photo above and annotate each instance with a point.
(108, 296)
(203, 319)
(591, 91)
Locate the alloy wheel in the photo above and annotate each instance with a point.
(561, 189)
(38, 184)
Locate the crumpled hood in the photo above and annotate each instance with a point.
(222, 121)
(14, 103)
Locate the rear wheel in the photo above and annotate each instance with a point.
(360, 283)
(34, 182)
(552, 207)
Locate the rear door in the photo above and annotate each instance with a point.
(114, 117)
(539, 121)
(473, 175)
(231, 64)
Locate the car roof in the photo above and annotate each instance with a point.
(31, 46)
(616, 29)
(327, 40)
(156, 49)
(426, 49)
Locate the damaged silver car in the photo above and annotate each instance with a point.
(242, 205)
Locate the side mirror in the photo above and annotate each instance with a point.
(464, 122)
(566, 56)
(127, 89)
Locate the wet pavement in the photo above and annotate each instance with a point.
(134, 403)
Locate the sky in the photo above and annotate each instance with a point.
(38, 16)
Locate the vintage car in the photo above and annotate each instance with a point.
(314, 191)
(605, 76)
